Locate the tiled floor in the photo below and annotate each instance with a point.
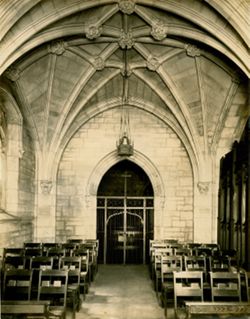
(121, 292)
(126, 292)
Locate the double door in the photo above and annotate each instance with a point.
(124, 227)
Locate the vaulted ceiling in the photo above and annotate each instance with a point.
(187, 62)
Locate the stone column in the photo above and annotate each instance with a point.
(90, 209)
(203, 212)
(46, 211)
(159, 202)
(14, 152)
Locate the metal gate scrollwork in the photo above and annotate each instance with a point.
(124, 227)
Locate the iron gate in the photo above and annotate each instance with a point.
(124, 227)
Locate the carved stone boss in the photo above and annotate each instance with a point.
(127, 6)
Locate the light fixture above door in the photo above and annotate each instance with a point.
(124, 144)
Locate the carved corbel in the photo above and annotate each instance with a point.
(203, 187)
(46, 186)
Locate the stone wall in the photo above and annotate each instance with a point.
(14, 232)
(156, 142)
(26, 181)
(16, 223)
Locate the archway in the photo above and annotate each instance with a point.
(125, 214)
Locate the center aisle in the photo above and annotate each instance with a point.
(121, 292)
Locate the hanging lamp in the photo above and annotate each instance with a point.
(125, 146)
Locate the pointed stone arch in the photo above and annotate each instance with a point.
(146, 164)
(139, 159)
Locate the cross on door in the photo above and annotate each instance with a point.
(126, 176)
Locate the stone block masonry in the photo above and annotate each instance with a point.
(97, 138)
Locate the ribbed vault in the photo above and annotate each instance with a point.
(63, 58)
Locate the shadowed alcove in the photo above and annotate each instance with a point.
(124, 214)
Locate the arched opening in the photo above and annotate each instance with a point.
(125, 214)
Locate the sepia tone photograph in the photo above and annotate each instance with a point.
(125, 159)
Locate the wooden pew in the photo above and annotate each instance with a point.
(53, 286)
(217, 308)
(187, 284)
(25, 308)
